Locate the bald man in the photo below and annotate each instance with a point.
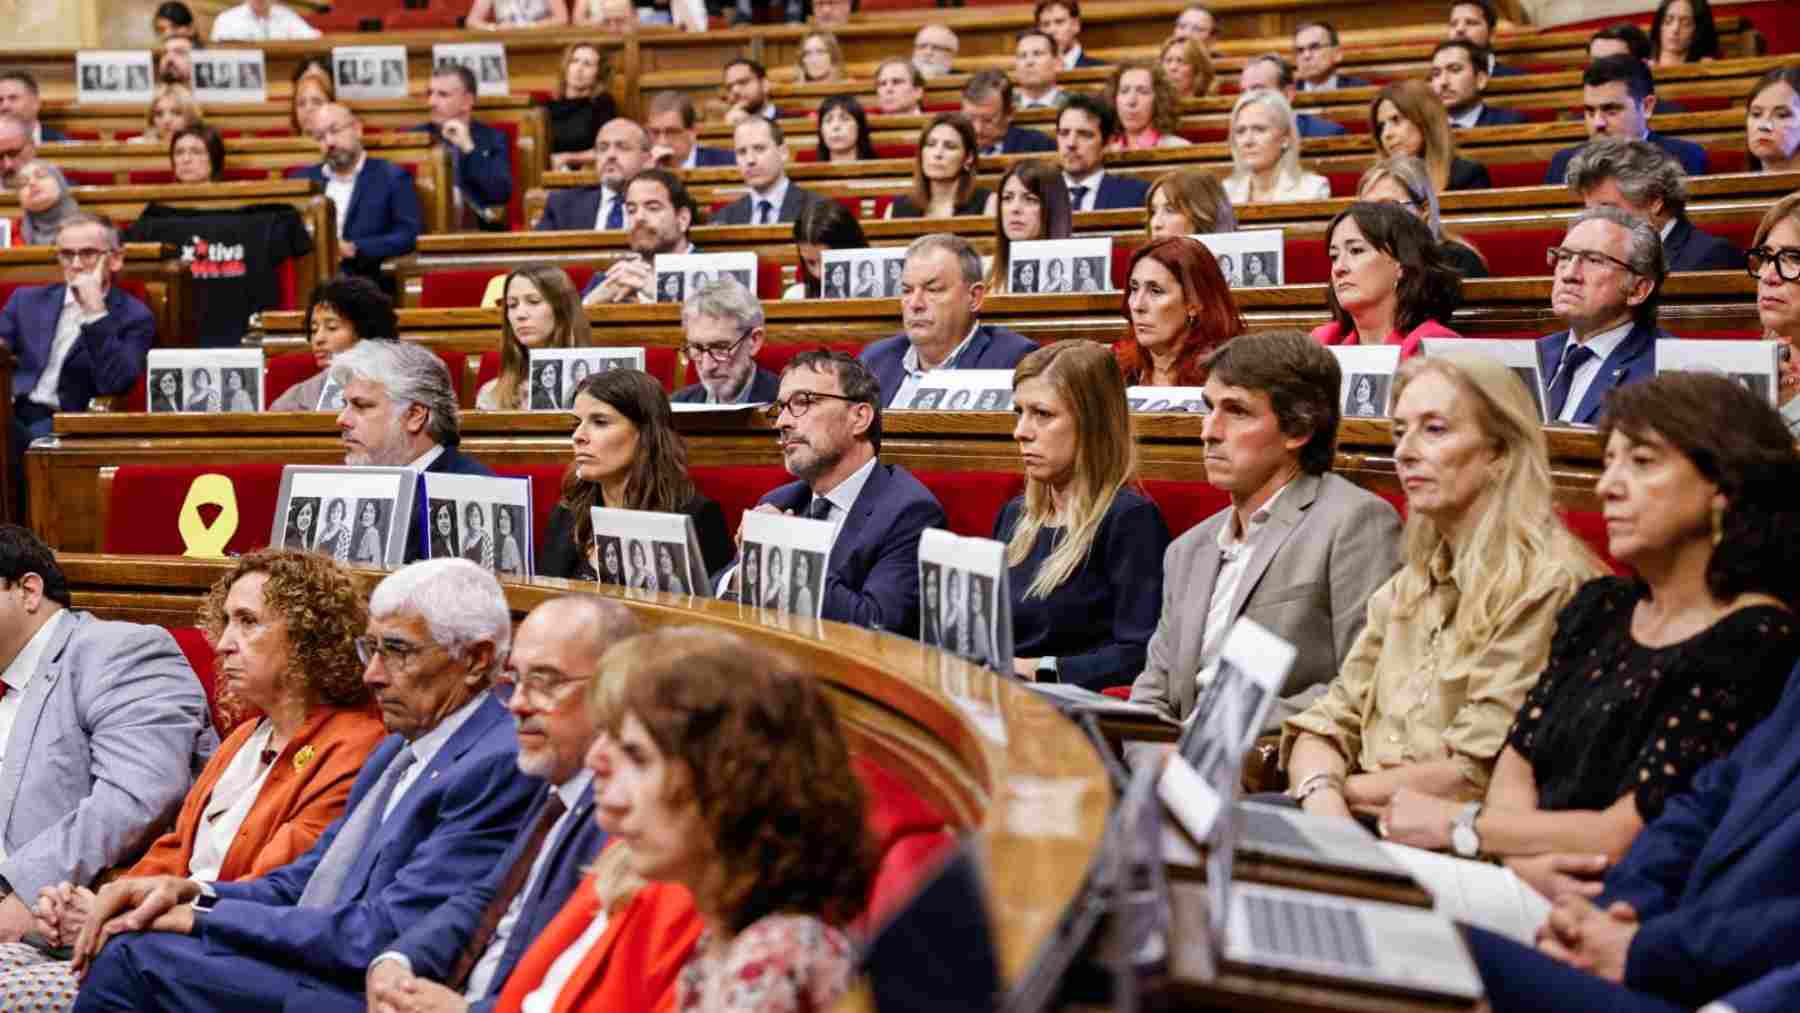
(386, 221)
(933, 49)
(621, 151)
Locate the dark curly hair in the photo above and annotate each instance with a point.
(359, 303)
(325, 612)
(1428, 289)
(1735, 440)
(760, 751)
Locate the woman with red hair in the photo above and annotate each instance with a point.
(1178, 310)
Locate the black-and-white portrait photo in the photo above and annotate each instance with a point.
(1367, 396)
(750, 574)
(868, 281)
(1529, 377)
(334, 531)
(1228, 268)
(807, 575)
(546, 386)
(203, 391)
(639, 571)
(393, 73)
(774, 579)
(953, 620)
(672, 568)
(240, 389)
(981, 621)
(1056, 277)
(837, 281)
(137, 77)
(509, 540)
(699, 280)
(579, 371)
(609, 559)
(931, 579)
(347, 74)
(370, 545)
(477, 540)
(165, 390)
(1230, 703)
(927, 399)
(890, 284)
(112, 77)
(90, 78)
(443, 541)
(669, 287)
(991, 400)
(249, 76)
(1259, 270)
(302, 520)
(203, 75)
(1024, 277)
(366, 72)
(492, 70)
(1089, 273)
(960, 400)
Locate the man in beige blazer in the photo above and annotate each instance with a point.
(1299, 550)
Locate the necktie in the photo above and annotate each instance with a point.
(353, 837)
(819, 509)
(509, 888)
(766, 211)
(1573, 359)
(1077, 196)
(615, 214)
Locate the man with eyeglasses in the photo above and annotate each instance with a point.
(1618, 96)
(658, 213)
(1606, 277)
(1317, 56)
(16, 148)
(377, 205)
(433, 811)
(621, 151)
(827, 417)
(723, 322)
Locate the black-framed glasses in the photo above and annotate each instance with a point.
(541, 693)
(394, 653)
(717, 353)
(1557, 256)
(1785, 258)
(802, 401)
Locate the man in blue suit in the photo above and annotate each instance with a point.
(1317, 56)
(828, 424)
(1084, 128)
(1459, 81)
(1607, 273)
(1619, 96)
(988, 103)
(621, 151)
(675, 135)
(436, 805)
(762, 158)
(1272, 72)
(377, 206)
(480, 156)
(1702, 912)
(1644, 180)
(941, 290)
(1061, 20)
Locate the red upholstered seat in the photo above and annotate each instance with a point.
(430, 19)
(284, 371)
(1185, 503)
(907, 834)
(896, 150)
(1304, 262)
(736, 488)
(462, 288)
(90, 177)
(146, 500)
(1505, 174)
(768, 280)
(349, 19)
(200, 656)
(972, 500)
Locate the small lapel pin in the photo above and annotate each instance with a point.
(304, 756)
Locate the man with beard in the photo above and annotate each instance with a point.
(658, 213)
(621, 151)
(387, 220)
(723, 322)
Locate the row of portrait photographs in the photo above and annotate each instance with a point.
(786, 579)
(864, 278)
(957, 612)
(1059, 274)
(233, 76)
(994, 399)
(349, 530)
(1248, 270)
(1366, 395)
(115, 77)
(643, 563)
(1163, 404)
(371, 73)
(490, 535)
(195, 389)
(550, 392)
(673, 286)
(488, 68)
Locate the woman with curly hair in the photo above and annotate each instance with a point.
(283, 625)
(1683, 31)
(1146, 103)
(1390, 283)
(1178, 309)
(340, 313)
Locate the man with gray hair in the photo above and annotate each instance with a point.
(16, 148)
(1645, 181)
(723, 323)
(941, 290)
(433, 810)
(934, 47)
(1606, 275)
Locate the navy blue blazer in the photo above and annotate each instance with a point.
(1632, 361)
(991, 348)
(1691, 156)
(1689, 249)
(742, 211)
(451, 462)
(107, 358)
(1467, 174)
(764, 386)
(1084, 60)
(484, 175)
(1313, 126)
(1348, 81)
(713, 158)
(1498, 116)
(383, 220)
(873, 577)
(1019, 140)
(571, 209)
(1502, 70)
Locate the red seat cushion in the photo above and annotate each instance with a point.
(1304, 262)
(972, 500)
(906, 833)
(146, 500)
(736, 488)
(769, 284)
(284, 371)
(90, 177)
(1185, 503)
(455, 289)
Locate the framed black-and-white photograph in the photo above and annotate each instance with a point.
(229, 76)
(302, 523)
(369, 534)
(791, 571)
(113, 77)
(862, 274)
(1518, 355)
(648, 551)
(609, 559)
(366, 72)
(209, 380)
(483, 519)
(137, 78)
(357, 515)
(1367, 373)
(1166, 399)
(1024, 280)
(927, 399)
(957, 390)
(671, 288)
(442, 533)
(393, 73)
(1234, 700)
(1058, 266)
(331, 397)
(486, 60)
(1755, 365)
(1251, 258)
(546, 385)
(964, 606)
(557, 374)
(806, 582)
(699, 269)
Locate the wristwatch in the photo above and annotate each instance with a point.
(1463, 838)
(1047, 669)
(208, 897)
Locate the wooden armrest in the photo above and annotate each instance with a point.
(1262, 767)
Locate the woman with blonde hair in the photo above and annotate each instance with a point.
(1265, 153)
(1033, 204)
(540, 309)
(1147, 107)
(821, 59)
(1455, 639)
(1403, 180)
(1083, 550)
(1774, 257)
(944, 174)
(172, 108)
(1407, 119)
(580, 104)
(1189, 67)
(1188, 202)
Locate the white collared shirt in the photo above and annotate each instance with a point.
(340, 188)
(1668, 227)
(424, 460)
(1602, 345)
(228, 805)
(1071, 57)
(17, 677)
(909, 360)
(775, 195)
(1092, 182)
(1235, 554)
(843, 497)
(68, 329)
(1049, 100)
(743, 394)
(240, 24)
(607, 196)
(1329, 84)
(1467, 120)
(542, 999)
(425, 749)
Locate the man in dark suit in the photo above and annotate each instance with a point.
(747, 87)
(1084, 128)
(1459, 81)
(673, 126)
(1607, 275)
(658, 214)
(1619, 97)
(762, 160)
(941, 290)
(1317, 56)
(723, 328)
(1643, 180)
(621, 151)
(1061, 20)
(480, 163)
(987, 102)
(1270, 71)
(377, 206)
(1474, 21)
(19, 97)
(828, 424)
(1701, 913)
(435, 807)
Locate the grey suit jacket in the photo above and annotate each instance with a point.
(110, 734)
(1328, 546)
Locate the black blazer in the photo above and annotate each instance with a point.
(1689, 249)
(559, 556)
(1019, 140)
(1467, 174)
(571, 209)
(763, 387)
(705, 157)
(743, 210)
(903, 206)
(1496, 116)
(1464, 260)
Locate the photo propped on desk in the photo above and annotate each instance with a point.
(1520, 356)
(558, 373)
(649, 550)
(1754, 365)
(957, 390)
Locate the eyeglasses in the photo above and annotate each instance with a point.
(1557, 256)
(537, 692)
(801, 403)
(394, 653)
(1785, 258)
(88, 255)
(717, 353)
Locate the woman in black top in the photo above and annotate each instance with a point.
(627, 456)
(944, 173)
(580, 107)
(1407, 119)
(1649, 679)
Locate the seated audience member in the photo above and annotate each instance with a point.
(1197, 23)
(313, 91)
(1265, 154)
(1623, 39)
(1317, 57)
(387, 222)
(197, 154)
(262, 21)
(283, 623)
(1270, 438)
(658, 214)
(675, 135)
(899, 88)
(621, 151)
(824, 225)
(1408, 120)
(1775, 263)
(19, 97)
(843, 131)
(1619, 97)
(1061, 20)
(1188, 67)
(987, 101)
(832, 13)
(762, 157)
(827, 419)
(1083, 550)
(1271, 73)
(1772, 121)
(433, 811)
(941, 291)
(460, 955)
(1188, 202)
(944, 174)
(1085, 128)
(45, 202)
(539, 309)
(176, 65)
(399, 409)
(747, 88)
(1035, 67)
(1390, 282)
(1645, 181)
(628, 456)
(1178, 312)
(1606, 278)
(480, 165)
(173, 108)
(934, 49)
(1474, 21)
(821, 59)
(1700, 639)
(16, 148)
(502, 14)
(772, 852)
(1458, 636)
(173, 19)
(580, 104)
(1460, 83)
(1033, 204)
(1144, 100)
(1405, 182)
(722, 327)
(339, 313)
(1682, 31)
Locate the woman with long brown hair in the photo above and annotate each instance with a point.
(540, 309)
(1033, 204)
(1408, 119)
(1187, 202)
(1178, 310)
(944, 173)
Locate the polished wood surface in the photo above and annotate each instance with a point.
(168, 289)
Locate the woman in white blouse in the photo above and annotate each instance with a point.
(1265, 153)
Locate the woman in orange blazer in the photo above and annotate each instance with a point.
(284, 625)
